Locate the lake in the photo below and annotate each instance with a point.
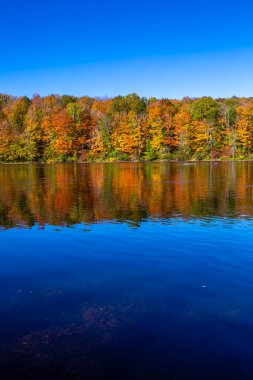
(126, 271)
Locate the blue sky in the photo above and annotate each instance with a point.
(159, 48)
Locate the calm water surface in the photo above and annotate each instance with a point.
(126, 271)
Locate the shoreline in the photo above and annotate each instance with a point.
(121, 162)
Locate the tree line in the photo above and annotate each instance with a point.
(68, 128)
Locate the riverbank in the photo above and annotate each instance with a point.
(125, 161)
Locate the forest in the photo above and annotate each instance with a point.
(66, 128)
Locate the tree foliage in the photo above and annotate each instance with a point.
(63, 128)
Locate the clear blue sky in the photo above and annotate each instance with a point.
(155, 48)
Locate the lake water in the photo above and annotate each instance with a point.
(126, 271)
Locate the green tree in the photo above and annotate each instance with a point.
(207, 110)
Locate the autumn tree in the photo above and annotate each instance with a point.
(244, 126)
(161, 135)
(206, 111)
(128, 136)
(13, 114)
(59, 128)
(33, 133)
(228, 118)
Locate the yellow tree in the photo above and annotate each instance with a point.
(184, 133)
(100, 140)
(161, 136)
(33, 132)
(128, 135)
(13, 114)
(245, 128)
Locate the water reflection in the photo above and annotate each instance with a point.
(68, 194)
(169, 300)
